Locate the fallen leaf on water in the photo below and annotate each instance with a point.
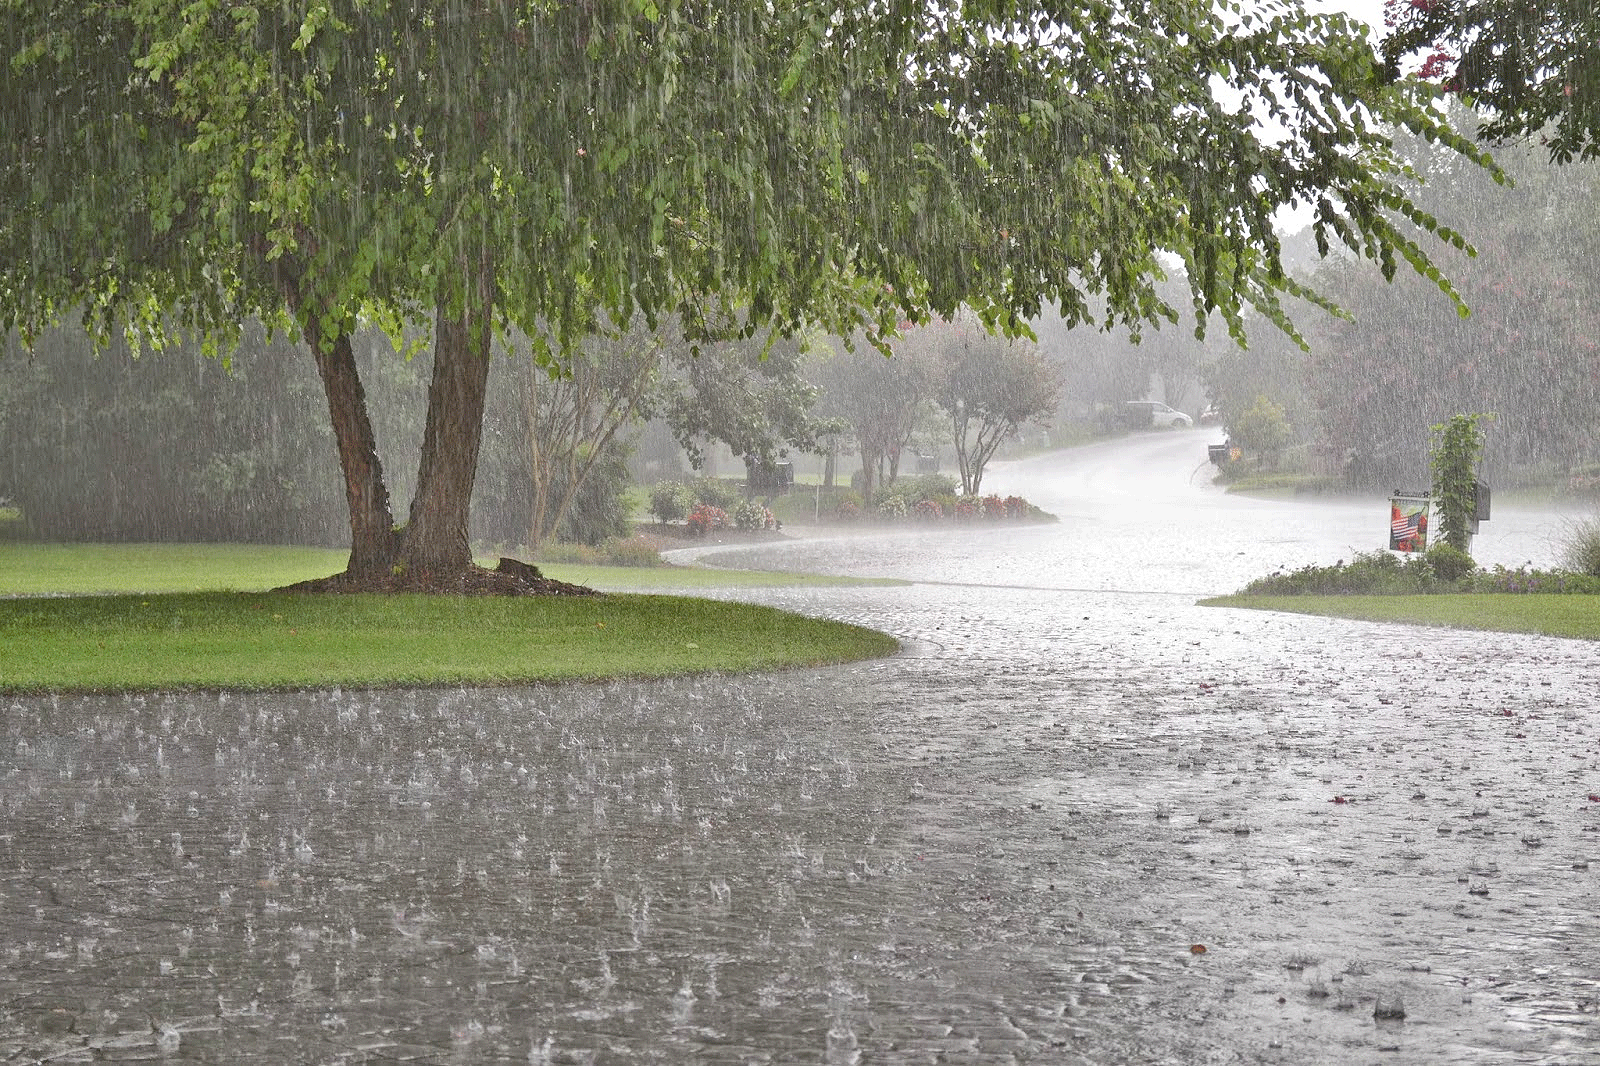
(1197, 949)
(1338, 799)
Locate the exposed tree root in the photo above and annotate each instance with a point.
(511, 577)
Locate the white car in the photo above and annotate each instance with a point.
(1143, 414)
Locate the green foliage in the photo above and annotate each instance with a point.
(1527, 353)
(1442, 569)
(716, 493)
(599, 510)
(1450, 564)
(1454, 461)
(1367, 573)
(176, 447)
(670, 501)
(1531, 70)
(1580, 546)
(913, 489)
(749, 515)
(1262, 428)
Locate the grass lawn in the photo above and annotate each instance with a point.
(62, 632)
(1551, 615)
(85, 569)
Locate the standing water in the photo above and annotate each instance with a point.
(1079, 820)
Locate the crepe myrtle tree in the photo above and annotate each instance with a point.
(474, 166)
(989, 387)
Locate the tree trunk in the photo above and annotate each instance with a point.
(434, 543)
(372, 534)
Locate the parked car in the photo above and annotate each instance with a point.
(1144, 414)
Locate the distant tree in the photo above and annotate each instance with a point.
(882, 401)
(1533, 68)
(749, 394)
(1262, 428)
(989, 387)
(573, 418)
(568, 421)
(1530, 351)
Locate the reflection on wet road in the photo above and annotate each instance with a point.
(1080, 820)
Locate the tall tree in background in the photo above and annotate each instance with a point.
(519, 163)
(1532, 66)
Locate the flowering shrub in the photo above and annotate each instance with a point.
(929, 511)
(994, 508)
(848, 510)
(1016, 507)
(705, 518)
(893, 507)
(966, 510)
(753, 516)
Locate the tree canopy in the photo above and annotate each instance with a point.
(1534, 68)
(480, 165)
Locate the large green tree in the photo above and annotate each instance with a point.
(478, 165)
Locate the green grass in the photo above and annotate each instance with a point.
(95, 569)
(71, 625)
(277, 640)
(77, 569)
(1553, 615)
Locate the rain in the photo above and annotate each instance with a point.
(1080, 817)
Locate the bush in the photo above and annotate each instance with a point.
(893, 506)
(928, 511)
(599, 508)
(753, 516)
(1580, 546)
(1543, 581)
(1380, 573)
(927, 486)
(670, 501)
(705, 518)
(716, 493)
(1450, 564)
(1262, 429)
(1377, 573)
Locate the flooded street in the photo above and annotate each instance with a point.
(1078, 820)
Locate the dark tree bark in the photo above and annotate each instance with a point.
(434, 542)
(372, 534)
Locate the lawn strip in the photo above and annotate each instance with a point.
(1547, 614)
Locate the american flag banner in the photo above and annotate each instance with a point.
(1408, 523)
